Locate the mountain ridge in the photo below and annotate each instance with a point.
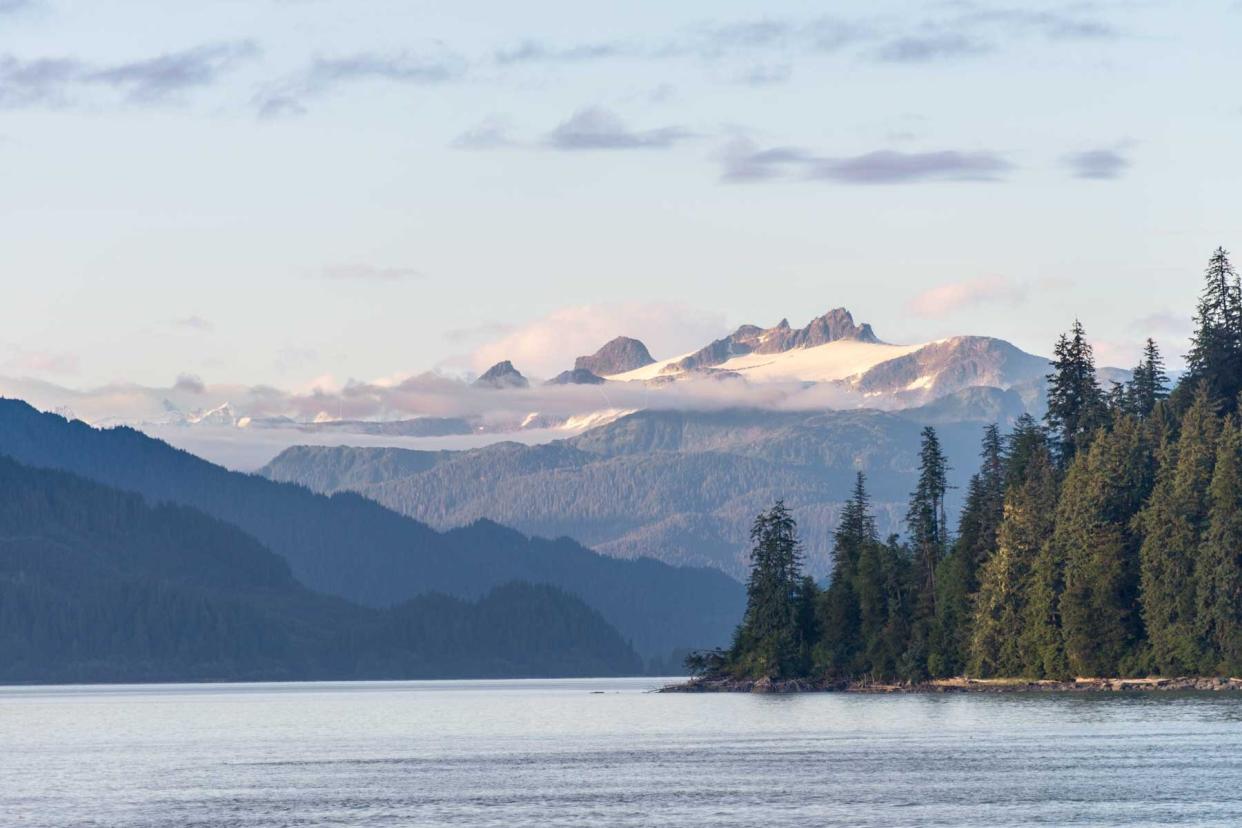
(352, 547)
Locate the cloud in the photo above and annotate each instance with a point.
(15, 6)
(190, 384)
(894, 167)
(1097, 164)
(368, 273)
(194, 323)
(549, 345)
(595, 128)
(536, 51)
(742, 161)
(58, 81)
(952, 297)
(1068, 23)
(430, 67)
(491, 133)
(944, 31)
(274, 106)
(926, 48)
(157, 78)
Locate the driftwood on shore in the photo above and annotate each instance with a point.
(953, 685)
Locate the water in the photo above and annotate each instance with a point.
(606, 752)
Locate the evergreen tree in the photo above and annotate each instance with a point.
(1103, 491)
(1076, 405)
(1027, 439)
(767, 643)
(1218, 576)
(838, 611)
(957, 577)
(1173, 523)
(926, 521)
(1000, 602)
(1149, 385)
(1215, 357)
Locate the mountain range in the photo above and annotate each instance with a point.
(356, 549)
(99, 585)
(831, 362)
(679, 486)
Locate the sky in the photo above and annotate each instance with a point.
(299, 193)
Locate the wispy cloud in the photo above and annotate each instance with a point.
(429, 67)
(596, 128)
(951, 297)
(359, 272)
(491, 133)
(939, 32)
(538, 51)
(15, 6)
(62, 81)
(1097, 164)
(1071, 22)
(894, 167)
(742, 161)
(924, 48)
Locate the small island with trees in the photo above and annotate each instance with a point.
(1099, 549)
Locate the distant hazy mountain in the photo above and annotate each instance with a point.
(96, 585)
(578, 376)
(615, 357)
(349, 546)
(680, 486)
(502, 375)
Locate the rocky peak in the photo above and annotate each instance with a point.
(502, 375)
(836, 324)
(578, 376)
(616, 357)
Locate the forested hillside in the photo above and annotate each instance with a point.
(1104, 541)
(678, 485)
(96, 585)
(349, 546)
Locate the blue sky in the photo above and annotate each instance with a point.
(311, 190)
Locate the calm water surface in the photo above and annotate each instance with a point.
(607, 752)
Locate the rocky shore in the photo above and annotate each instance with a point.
(955, 685)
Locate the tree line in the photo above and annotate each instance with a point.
(1105, 540)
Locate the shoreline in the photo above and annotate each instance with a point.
(958, 685)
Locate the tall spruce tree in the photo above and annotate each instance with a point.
(1000, 601)
(838, 611)
(1149, 383)
(767, 643)
(957, 577)
(1173, 523)
(1076, 405)
(1218, 575)
(1215, 357)
(928, 540)
(1027, 439)
(1103, 491)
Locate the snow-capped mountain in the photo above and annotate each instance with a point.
(833, 349)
